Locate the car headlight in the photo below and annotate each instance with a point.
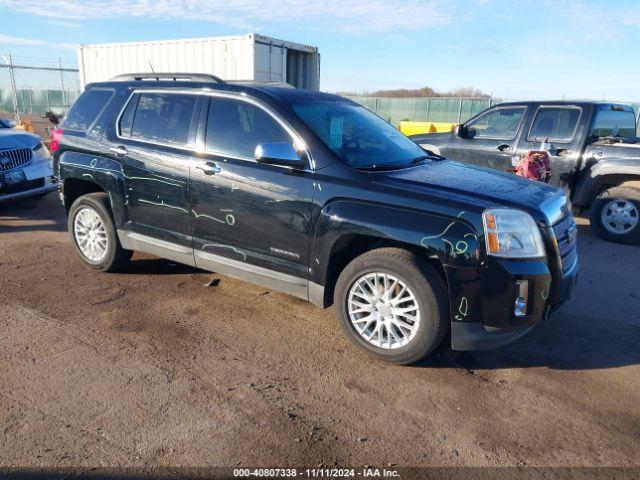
(40, 152)
(512, 234)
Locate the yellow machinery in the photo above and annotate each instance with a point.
(413, 128)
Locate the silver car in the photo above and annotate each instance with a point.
(26, 168)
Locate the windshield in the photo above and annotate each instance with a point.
(4, 124)
(611, 122)
(357, 136)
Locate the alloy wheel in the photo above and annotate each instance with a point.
(90, 234)
(383, 310)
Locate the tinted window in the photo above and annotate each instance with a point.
(500, 123)
(358, 136)
(126, 121)
(164, 117)
(557, 124)
(235, 127)
(86, 109)
(614, 123)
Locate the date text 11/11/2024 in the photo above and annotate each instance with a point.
(366, 472)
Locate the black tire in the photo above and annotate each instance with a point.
(115, 257)
(603, 202)
(427, 287)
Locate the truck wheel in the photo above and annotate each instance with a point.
(615, 215)
(94, 234)
(393, 304)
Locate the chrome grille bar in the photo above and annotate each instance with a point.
(10, 159)
(567, 244)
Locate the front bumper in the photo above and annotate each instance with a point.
(498, 325)
(39, 180)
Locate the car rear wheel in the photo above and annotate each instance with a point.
(94, 234)
(615, 215)
(393, 304)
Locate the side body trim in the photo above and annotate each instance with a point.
(154, 246)
(290, 284)
(262, 276)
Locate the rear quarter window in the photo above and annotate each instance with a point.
(86, 109)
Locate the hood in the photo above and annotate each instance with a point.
(475, 185)
(11, 138)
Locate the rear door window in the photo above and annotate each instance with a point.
(236, 128)
(558, 124)
(501, 123)
(86, 109)
(163, 118)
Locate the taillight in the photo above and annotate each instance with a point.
(54, 139)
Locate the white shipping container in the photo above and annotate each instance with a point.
(246, 57)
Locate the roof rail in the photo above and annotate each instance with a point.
(175, 76)
(262, 83)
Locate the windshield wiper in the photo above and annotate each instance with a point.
(428, 156)
(415, 161)
(371, 168)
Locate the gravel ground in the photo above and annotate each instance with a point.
(151, 367)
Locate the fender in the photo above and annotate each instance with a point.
(454, 242)
(604, 173)
(104, 172)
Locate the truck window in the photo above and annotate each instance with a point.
(236, 128)
(611, 122)
(163, 118)
(501, 123)
(558, 124)
(86, 109)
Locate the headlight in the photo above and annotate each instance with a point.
(512, 234)
(40, 152)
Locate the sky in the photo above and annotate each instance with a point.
(517, 49)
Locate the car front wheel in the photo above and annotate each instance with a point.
(393, 304)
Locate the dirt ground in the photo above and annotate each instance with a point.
(152, 367)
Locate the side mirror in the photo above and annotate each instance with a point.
(459, 131)
(277, 153)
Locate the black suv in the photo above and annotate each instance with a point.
(313, 195)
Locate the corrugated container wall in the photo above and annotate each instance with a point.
(247, 57)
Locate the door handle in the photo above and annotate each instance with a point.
(503, 147)
(562, 151)
(209, 168)
(120, 151)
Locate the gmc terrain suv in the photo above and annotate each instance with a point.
(314, 195)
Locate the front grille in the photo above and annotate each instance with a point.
(18, 157)
(565, 233)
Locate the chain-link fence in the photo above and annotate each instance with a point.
(435, 109)
(33, 86)
(425, 109)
